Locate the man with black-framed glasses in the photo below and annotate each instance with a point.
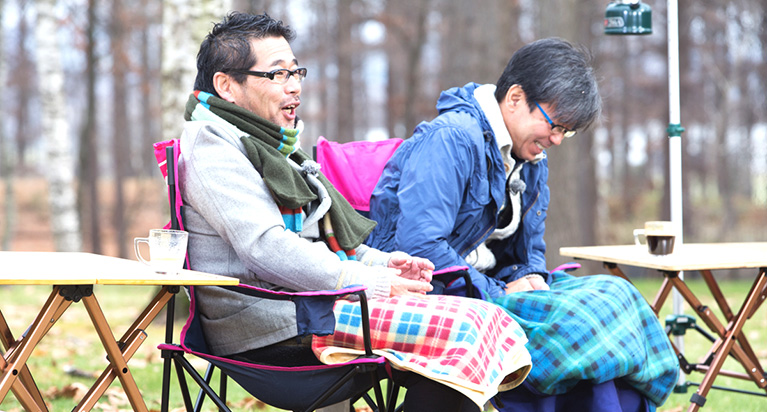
(470, 188)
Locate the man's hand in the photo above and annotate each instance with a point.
(526, 284)
(413, 268)
(407, 287)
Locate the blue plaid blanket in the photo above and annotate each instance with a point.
(594, 328)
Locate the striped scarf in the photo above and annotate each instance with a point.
(267, 145)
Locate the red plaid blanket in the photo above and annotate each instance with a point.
(468, 344)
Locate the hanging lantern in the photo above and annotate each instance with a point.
(628, 17)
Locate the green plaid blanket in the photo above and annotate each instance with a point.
(594, 328)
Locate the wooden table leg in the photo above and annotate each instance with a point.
(762, 296)
(750, 363)
(662, 295)
(698, 399)
(130, 342)
(114, 354)
(716, 292)
(26, 390)
(727, 312)
(615, 270)
(17, 355)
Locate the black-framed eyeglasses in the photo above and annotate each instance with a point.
(556, 128)
(280, 76)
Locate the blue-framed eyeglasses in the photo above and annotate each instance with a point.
(556, 128)
(280, 76)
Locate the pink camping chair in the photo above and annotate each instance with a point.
(354, 167)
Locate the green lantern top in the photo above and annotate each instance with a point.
(628, 17)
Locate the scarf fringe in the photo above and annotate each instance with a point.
(330, 237)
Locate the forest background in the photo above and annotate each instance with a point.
(89, 85)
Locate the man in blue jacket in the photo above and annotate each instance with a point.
(470, 188)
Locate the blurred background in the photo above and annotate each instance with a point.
(89, 85)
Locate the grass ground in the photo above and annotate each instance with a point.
(68, 357)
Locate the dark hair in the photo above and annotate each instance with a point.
(227, 46)
(553, 71)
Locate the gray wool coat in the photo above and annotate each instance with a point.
(235, 229)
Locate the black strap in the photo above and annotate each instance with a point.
(698, 399)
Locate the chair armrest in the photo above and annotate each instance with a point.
(567, 267)
(324, 297)
(450, 274)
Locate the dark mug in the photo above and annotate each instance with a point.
(660, 236)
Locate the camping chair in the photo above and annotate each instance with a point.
(355, 167)
(319, 385)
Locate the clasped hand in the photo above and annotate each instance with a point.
(526, 284)
(414, 274)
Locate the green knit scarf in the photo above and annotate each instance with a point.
(267, 145)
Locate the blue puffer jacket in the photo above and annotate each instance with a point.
(440, 193)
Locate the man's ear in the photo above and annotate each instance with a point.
(515, 98)
(224, 86)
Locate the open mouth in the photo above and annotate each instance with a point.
(290, 110)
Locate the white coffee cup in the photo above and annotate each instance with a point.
(660, 236)
(167, 249)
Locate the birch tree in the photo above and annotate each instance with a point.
(185, 25)
(59, 170)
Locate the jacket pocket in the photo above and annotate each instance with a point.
(479, 190)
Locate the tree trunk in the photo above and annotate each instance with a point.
(254, 6)
(344, 64)
(149, 83)
(185, 24)
(413, 78)
(406, 32)
(120, 126)
(20, 76)
(571, 219)
(59, 165)
(479, 38)
(6, 160)
(323, 56)
(88, 193)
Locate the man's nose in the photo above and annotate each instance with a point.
(293, 85)
(556, 138)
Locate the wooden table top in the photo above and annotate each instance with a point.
(689, 256)
(78, 268)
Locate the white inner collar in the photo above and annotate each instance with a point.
(485, 96)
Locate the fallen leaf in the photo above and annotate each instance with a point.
(117, 396)
(250, 403)
(73, 391)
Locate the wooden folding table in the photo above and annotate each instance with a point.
(704, 258)
(72, 276)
